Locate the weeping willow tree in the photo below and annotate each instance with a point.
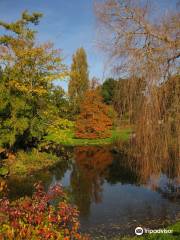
(144, 45)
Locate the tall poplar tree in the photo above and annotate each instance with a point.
(79, 79)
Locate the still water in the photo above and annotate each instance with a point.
(114, 193)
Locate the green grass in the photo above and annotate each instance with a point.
(67, 138)
(29, 162)
(175, 235)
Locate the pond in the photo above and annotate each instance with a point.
(114, 193)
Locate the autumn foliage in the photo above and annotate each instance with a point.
(87, 177)
(36, 218)
(97, 158)
(94, 120)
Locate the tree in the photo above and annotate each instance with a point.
(149, 50)
(128, 97)
(28, 72)
(125, 97)
(108, 90)
(79, 79)
(59, 101)
(93, 121)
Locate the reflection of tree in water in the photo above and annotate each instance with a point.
(153, 170)
(150, 172)
(171, 190)
(61, 168)
(121, 171)
(168, 188)
(87, 176)
(21, 186)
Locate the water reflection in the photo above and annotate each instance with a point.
(121, 170)
(162, 176)
(20, 186)
(87, 177)
(114, 191)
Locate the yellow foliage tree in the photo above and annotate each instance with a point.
(28, 70)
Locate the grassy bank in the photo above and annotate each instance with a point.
(67, 138)
(175, 235)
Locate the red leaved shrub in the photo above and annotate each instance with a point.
(35, 218)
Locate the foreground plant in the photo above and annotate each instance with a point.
(34, 218)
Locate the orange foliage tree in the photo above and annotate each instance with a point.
(94, 120)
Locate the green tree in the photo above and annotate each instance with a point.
(79, 79)
(28, 72)
(108, 90)
(59, 101)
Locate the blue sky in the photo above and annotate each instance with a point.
(69, 24)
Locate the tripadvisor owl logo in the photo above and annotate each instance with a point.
(139, 231)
